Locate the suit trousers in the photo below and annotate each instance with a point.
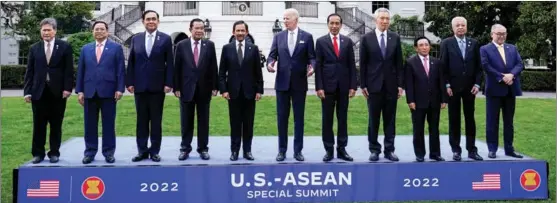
(386, 103)
(432, 113)
(334, 100)
(107, 108)
(149, 108)
(494, 105)
(187, 114)
(241, 112)
(284, 99)
(468, 104)
(47, 110)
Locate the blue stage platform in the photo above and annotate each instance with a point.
(265, 180)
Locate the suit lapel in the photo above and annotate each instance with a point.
(390, 45)
(189, 52)
(297, 43)
(468, 47)
(507, 54)
(420, 66)
(247, 53)
(42, 52)
(203, 49)
(495, 51)
(455, 45)
(329, 44)
(105, 51)
(284, 36)
(376, 43)
(143, 48)
(343, 45)
(54, 53)
(156, 43)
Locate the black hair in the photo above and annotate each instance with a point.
(334, 14)
(195, 20)
(100, 21)
(239, 23)
(149, 11)
(420, 38)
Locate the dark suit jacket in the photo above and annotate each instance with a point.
(60, 69)
(332, 72)
(150, 73)
(292, 70)
(376, 70)
(461, 74)
(189, 76)
(234, 75)
(424, 90)
(495, 68)
(104, 78)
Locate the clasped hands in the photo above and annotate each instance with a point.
(271, 68)
(508, 78)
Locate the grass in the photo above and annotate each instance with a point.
(534, 126)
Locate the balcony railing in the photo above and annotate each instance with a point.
(180, 8)
(242, 8)
(305, 9)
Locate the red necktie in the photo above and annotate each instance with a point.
(335, 45)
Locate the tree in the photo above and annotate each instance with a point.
(537, 24)
(77, 41)
(480, 17)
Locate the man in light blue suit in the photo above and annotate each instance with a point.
(293, 48)
(99, 85)
(503, 65)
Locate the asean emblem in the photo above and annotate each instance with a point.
(530, 180)
(92, 188)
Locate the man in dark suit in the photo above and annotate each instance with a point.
(100, 84)
(293, 49)
(335, 82)
(381, 80)
(503, 65)
(149, 77)
(426, 96)
(461, 56)
(48, 84)
(241, 83)
(195, 82)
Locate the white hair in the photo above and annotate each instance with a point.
(292, 12)
(494, 27)
(458, 18)
(381, 10)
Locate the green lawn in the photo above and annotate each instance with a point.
(534, 126)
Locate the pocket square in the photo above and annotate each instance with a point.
(301, 42)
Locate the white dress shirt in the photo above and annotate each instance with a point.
(147, 39)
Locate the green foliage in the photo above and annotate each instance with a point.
(537, 23)
(407, 51)
(13, 76)
(78, 40)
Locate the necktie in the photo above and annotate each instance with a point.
(502, 53)
(335, 46)
(426, 66)
(196, 52)
(149, 45)
(48, 55)
(462, 46)
(291, 43)
(382, 45)
(240, 54)
(99, 52)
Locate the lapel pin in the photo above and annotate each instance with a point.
(302, 41)
(249, 48)
(158, 37)
(56, 46)
(389, 38)
(203, 44)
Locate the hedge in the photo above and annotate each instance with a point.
(12, 77)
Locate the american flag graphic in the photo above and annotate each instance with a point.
(47, 188)
(490, 182)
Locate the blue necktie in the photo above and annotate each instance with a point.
(462, 46)
(382, 45)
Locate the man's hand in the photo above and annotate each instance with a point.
(118, 95)
(225, 95)
(450, 92)
(321, 94)
(131, 89)
(28, 99)
(257, 96)
(310, 70)
(215, 92)
(81, 98)
(400, 91)
(365, 93)
(271, 66)
(66, 94)
(352, 93)
(508, 78)
(177, 94)
(510, 82)
(167, 89)
(443, 105)
(412, 106)
(475, 90)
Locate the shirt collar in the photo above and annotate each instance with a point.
(379, 32)
(243, 43)
(103, 42)
(331, 35)
(51, 42)
(295, 31)
(422, 57)
(460, 39)
(497, 45)
(147, 34)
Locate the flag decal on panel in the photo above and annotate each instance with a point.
(46, 188)
(490, 181)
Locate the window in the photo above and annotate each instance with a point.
(97, 5)
(305, 9)
(379, 4)
(432, 6)
(180, 8)
(242, 8)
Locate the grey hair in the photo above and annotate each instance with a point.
(380, 10)
(495, 26)
(455, 19)
(292, 11)
(49, 21)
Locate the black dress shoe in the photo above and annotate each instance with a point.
(328, 156)
(374, 156)
(54, 159)
(37, 159)
(342, 154)
(140, 157)
(110, 159)
(475, 156)
(183, 156)
(436, 158)
(457, 157)
(281, 156)
(87, 160)
(248, 156)
(491, 155)
(420, 159)
(204, 155)
(234, 156)
(156, 158)
(391, 156)
(513, 154)
(298, 156)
